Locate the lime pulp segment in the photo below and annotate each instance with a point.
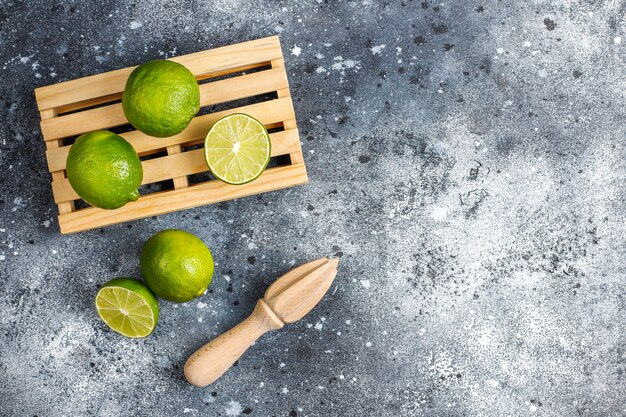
(237, 149)
(125, 312)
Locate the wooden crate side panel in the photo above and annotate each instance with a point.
(193, 196)
(178, 165)
(201, 64)
(210, 94)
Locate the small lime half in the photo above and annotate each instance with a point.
(237, 149)
(128, 307)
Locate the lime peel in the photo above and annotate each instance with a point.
(176, 265)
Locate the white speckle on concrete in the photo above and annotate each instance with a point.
(617, 40)
(342, 65)
(135, 25)
(377, 50)
(296, 50)
(439, 213)
(18, 203)
(233, 408)
(365, 283)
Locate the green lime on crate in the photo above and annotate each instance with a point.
(104, 169)
(128, 307)
(160, 98)
(237, 149)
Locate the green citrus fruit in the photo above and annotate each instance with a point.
(237, 149)
(176, 265)
(128, 307)
(160, 98)
(104, 169)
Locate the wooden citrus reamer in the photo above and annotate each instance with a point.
(287, 300)
(253, 71)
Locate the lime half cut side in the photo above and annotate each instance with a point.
(128, 307)
(237, 149)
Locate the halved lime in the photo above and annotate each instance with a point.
(128, 307)
(237, 148)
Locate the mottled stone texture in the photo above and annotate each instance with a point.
(467, 164)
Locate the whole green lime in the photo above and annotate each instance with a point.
(160, 98)
(176, 265)
(104, 169)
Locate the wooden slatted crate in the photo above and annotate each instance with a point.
(243, 71)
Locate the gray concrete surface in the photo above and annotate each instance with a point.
(467, 163)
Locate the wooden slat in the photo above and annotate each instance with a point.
(57, 175)
(267, 112)
(200, 64)
(210, 94)
(179, 165)
(118, 96)
(180, 181)
(296, 156)
(194, 196)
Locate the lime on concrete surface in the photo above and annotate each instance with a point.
(160, 98)
(176, 265)
(237, 149)
(104, 169)
(128, 307)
